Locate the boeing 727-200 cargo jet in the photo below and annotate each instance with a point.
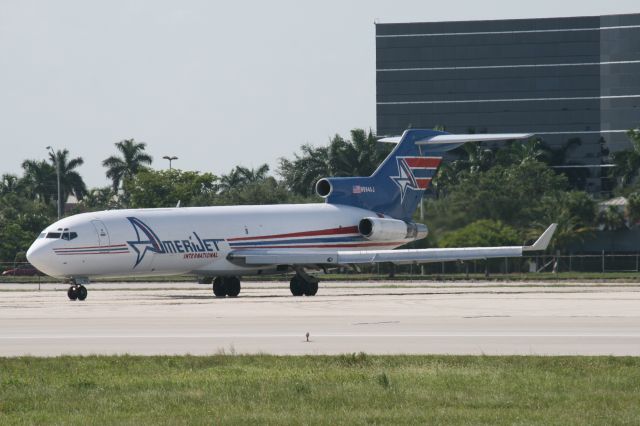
(361, 221)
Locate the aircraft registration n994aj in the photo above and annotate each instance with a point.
(362, 221)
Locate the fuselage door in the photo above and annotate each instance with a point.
(103, 234)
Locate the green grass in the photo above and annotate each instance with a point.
(349, 389)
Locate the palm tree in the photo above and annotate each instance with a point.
(479, 158)
(301, 174)
(240, 176)
(633, 209)
(612, 219)
(122, 169)
(253, 175)
(358, 157)
(40, 180)
(99, 199)
(570, 229)
(531, 150)
(10, 184)
(70, 181)
(627, 163)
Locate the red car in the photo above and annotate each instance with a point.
(22, 270)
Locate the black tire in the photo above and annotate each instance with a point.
(219, 287)
(296, 286)
(233, 286)
(72, 293)
(81, 292)
(310, 288)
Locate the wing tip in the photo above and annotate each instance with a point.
(543, 241)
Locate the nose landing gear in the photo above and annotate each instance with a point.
(77, 291)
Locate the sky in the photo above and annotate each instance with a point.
(217, 84)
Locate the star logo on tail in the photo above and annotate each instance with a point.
(405, 178)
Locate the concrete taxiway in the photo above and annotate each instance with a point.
(373, 317)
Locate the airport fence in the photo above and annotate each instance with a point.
(592, 262)
(584, 262)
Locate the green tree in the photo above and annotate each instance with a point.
(133, 159)
(633, 208)
(99, 199)
(575, 214)
(522, 152)
(510, 194)
(40, 180)
(240, 176)
(301, 174)
(164, 188)
(70, 180)
(612, 219)
(482, 233)
(359, 156)
(11, 184)
(627, 162)
(577, 204)
(21, 219)
(265, 191)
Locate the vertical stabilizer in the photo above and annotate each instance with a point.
(396, 187)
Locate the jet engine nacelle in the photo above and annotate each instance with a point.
(384, 229)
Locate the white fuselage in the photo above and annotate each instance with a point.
(193, 240)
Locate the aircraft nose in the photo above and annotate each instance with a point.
(37, 256)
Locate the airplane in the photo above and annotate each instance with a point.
(362, 221)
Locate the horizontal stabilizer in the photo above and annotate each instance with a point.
(442, 139)
(448, 138)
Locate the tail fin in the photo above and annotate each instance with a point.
(397, 185)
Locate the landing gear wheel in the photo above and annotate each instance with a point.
(310, 288)
(81, 292)
(72, 292)
(296, 286)
(233, 286)
(219, 287)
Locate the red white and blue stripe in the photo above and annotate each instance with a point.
(87, 250)
(342, 237)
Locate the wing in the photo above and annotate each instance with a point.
(255, 257)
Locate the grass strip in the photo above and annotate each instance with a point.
(347, 389)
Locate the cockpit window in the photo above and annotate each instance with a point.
(42, 235)
(53, 235)
(69, 235)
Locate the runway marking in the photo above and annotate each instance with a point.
(329, 335)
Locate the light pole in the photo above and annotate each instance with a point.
(55, 158)
(173, 157)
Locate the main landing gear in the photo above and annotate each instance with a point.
(226, 286)
(77, 291)
(303, 284)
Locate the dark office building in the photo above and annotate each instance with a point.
(561, 78)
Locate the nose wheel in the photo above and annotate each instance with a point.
(77, 292)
